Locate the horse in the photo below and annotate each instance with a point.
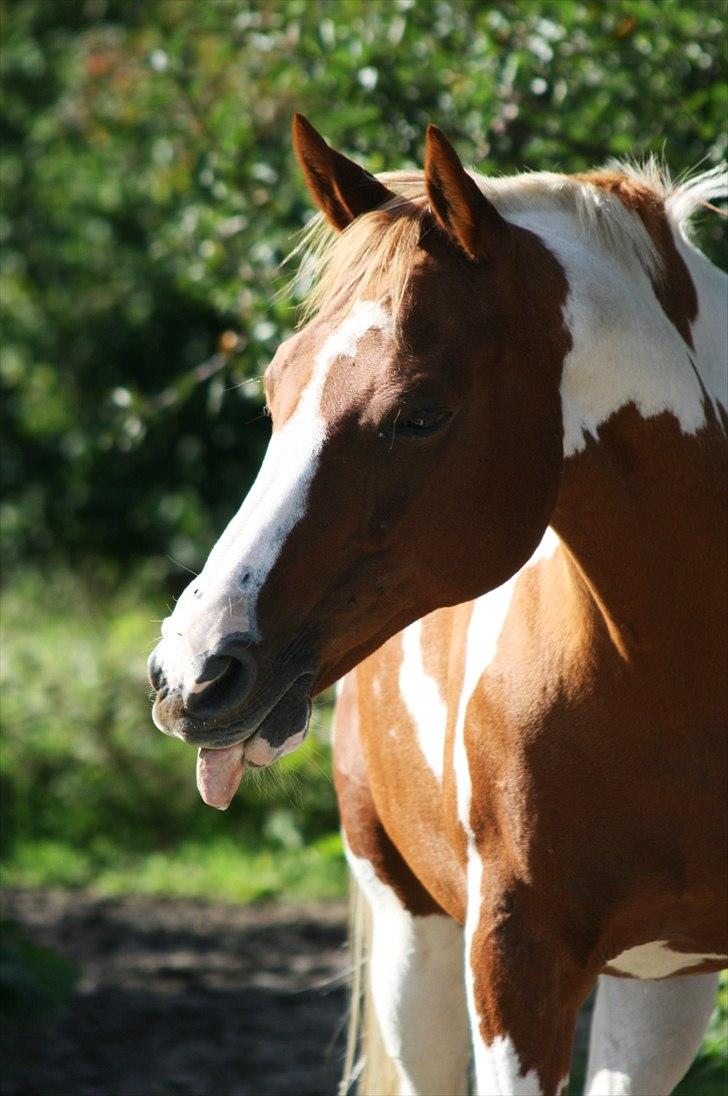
(493, 505)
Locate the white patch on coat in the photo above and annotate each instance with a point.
(415, 973)
(658, 960)
(242, 559)
(645, 1034)
(624, 348)
(498, 1070)
(423, 699)
(600, 215)
(489, 614)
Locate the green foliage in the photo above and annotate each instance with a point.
(93, 796)
(708, 1075)
(149, 195)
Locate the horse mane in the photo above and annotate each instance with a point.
(375, 254)
(372, 256)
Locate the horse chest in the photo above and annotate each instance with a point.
(587, 795)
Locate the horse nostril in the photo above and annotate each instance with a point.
(155, 672)
(212, 667)
(236, 645)
(223, 677)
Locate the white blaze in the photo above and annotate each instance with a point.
(246, 552)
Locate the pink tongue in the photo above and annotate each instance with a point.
(218, 774)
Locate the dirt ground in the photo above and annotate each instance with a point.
(185, 997)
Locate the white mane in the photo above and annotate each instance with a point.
(377, 250)
(600, 213)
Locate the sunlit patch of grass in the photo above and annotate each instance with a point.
(221, 870)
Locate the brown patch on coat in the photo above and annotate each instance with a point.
(435, 655)
(674, 289)
(406, 796)
(362, 825)
(526, 982)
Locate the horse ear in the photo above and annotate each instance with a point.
(338, 186)
(459, 206)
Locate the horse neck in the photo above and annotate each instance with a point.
(641, 502)
(641, 512)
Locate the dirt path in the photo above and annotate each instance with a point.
(184, 997)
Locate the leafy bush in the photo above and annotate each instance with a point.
(149, 194)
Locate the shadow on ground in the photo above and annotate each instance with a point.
(184, 997)
(189, 998)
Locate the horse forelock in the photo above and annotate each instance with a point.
(372, 258)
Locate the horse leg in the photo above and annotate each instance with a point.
(415, 952)
(645, 1033)
(417, 990)
(524, 992)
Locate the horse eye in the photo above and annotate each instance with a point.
(422, 423)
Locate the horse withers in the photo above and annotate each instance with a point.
(494, 500)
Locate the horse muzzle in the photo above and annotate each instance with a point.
(219, 702)
(211, 685)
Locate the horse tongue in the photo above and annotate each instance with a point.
(218, 774)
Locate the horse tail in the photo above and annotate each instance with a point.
(368, 1069)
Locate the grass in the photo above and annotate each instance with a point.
(223, 870)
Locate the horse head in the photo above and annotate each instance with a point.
(414, 460)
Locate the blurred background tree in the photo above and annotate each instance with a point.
(149, 195)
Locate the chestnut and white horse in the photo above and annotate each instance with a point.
(494, 500)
